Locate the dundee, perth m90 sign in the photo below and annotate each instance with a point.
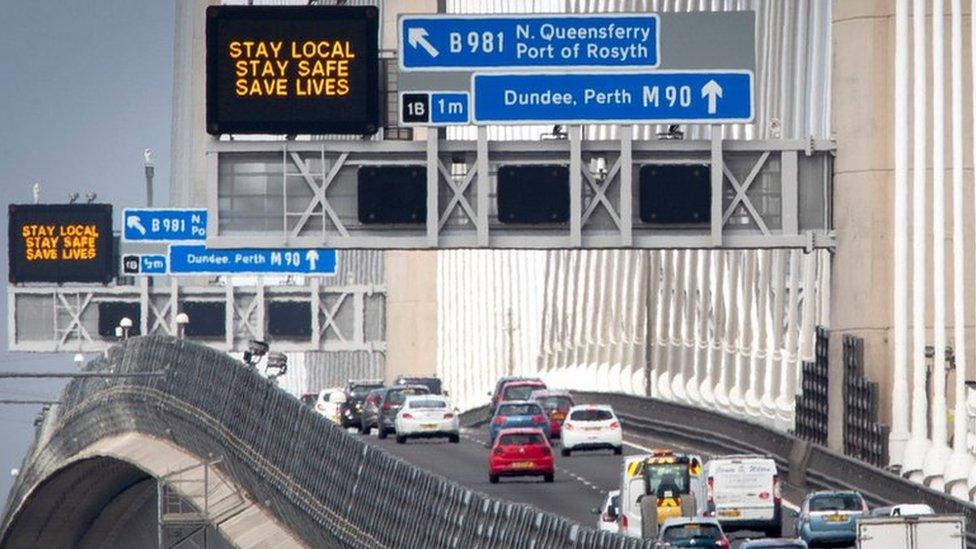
(291, 70)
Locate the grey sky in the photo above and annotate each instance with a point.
(85, 86)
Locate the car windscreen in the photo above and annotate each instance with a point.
(519, 392)
(835, 502)
(519, 410)
(591, 415)
(561, 403)
(431, 383)
(664, 478)
(518, 439)
(360, 391)
(397, 396)
(692, 531)
(433, 403)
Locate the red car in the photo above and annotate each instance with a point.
(556, 404)
(521, 452)
(520, 390)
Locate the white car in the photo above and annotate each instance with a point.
(329, 402)
(609, 513)
(427, 416)
(591, 427)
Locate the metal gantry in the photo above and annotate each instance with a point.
(65, 318)
(765, 193)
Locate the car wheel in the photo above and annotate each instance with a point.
(401, 439)
(364, 429)
(548, 477)
(381, 432)
(493, 479)
(618, 450)
(455, 439)
(566, 452)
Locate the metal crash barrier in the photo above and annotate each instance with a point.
(327, 487)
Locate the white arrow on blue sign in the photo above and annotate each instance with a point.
(708, 97)
(200, 260)
(164, 224)
(453, 42)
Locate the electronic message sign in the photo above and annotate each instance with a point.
(60, 243)
(292, 69)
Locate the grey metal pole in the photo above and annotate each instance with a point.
(18, 401)
(150, 171)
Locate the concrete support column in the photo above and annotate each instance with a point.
(862, 82)
(411, 313)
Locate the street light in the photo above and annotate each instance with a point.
(255, 350)
(79, 360)
(276, 366)
(126, 325)
(182, 319)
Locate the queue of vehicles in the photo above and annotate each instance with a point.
(674, 498)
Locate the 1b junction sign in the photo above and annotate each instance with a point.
(575, 69)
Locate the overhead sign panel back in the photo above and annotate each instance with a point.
(520, 41)
(653, 97)
(292, 69)
(60, 243)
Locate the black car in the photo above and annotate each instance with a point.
(432, 383)
(381, 407)
(356, 391)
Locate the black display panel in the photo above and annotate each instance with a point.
(206, 318)
(110, 313)
(533, 194)
(290, 319)
(676, 193)
(292, 69)
(392, 194)
(60, 243)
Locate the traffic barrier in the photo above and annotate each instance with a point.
(328, 487)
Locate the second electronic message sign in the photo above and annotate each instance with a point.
(291, 70)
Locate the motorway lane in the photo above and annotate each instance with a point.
(581, 482)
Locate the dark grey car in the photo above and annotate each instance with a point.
(382, 405)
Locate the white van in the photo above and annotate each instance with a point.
(743, 493)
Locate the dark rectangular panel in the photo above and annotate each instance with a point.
(675, 193)
(110, 313)
(60, 243)
(290, 319)
(392, 194)
(292, 69)
(206, 318)
(533, 194)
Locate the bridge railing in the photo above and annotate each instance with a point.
(327, 487)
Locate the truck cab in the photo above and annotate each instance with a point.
(656, 487)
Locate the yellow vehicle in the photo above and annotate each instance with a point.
(657, 486)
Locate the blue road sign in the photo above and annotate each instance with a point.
(152, 264)
(452, 42)
(164, 224)
(200, 260)
(712, 97)
(449, 108)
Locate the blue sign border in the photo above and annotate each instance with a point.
(574, 121)
(125, 215)
(402, 43)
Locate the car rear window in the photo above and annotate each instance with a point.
(309, 400)
(692, 531)
(520, 439)
(428, 404)
(519, 410)
(591, 415)
(359, 391)
(562, 403)
(520, 392)
(396, 397)
(836, 502)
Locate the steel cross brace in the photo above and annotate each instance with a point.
(75, 312)
(319, 191)
(740, 192)
(458, 199)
